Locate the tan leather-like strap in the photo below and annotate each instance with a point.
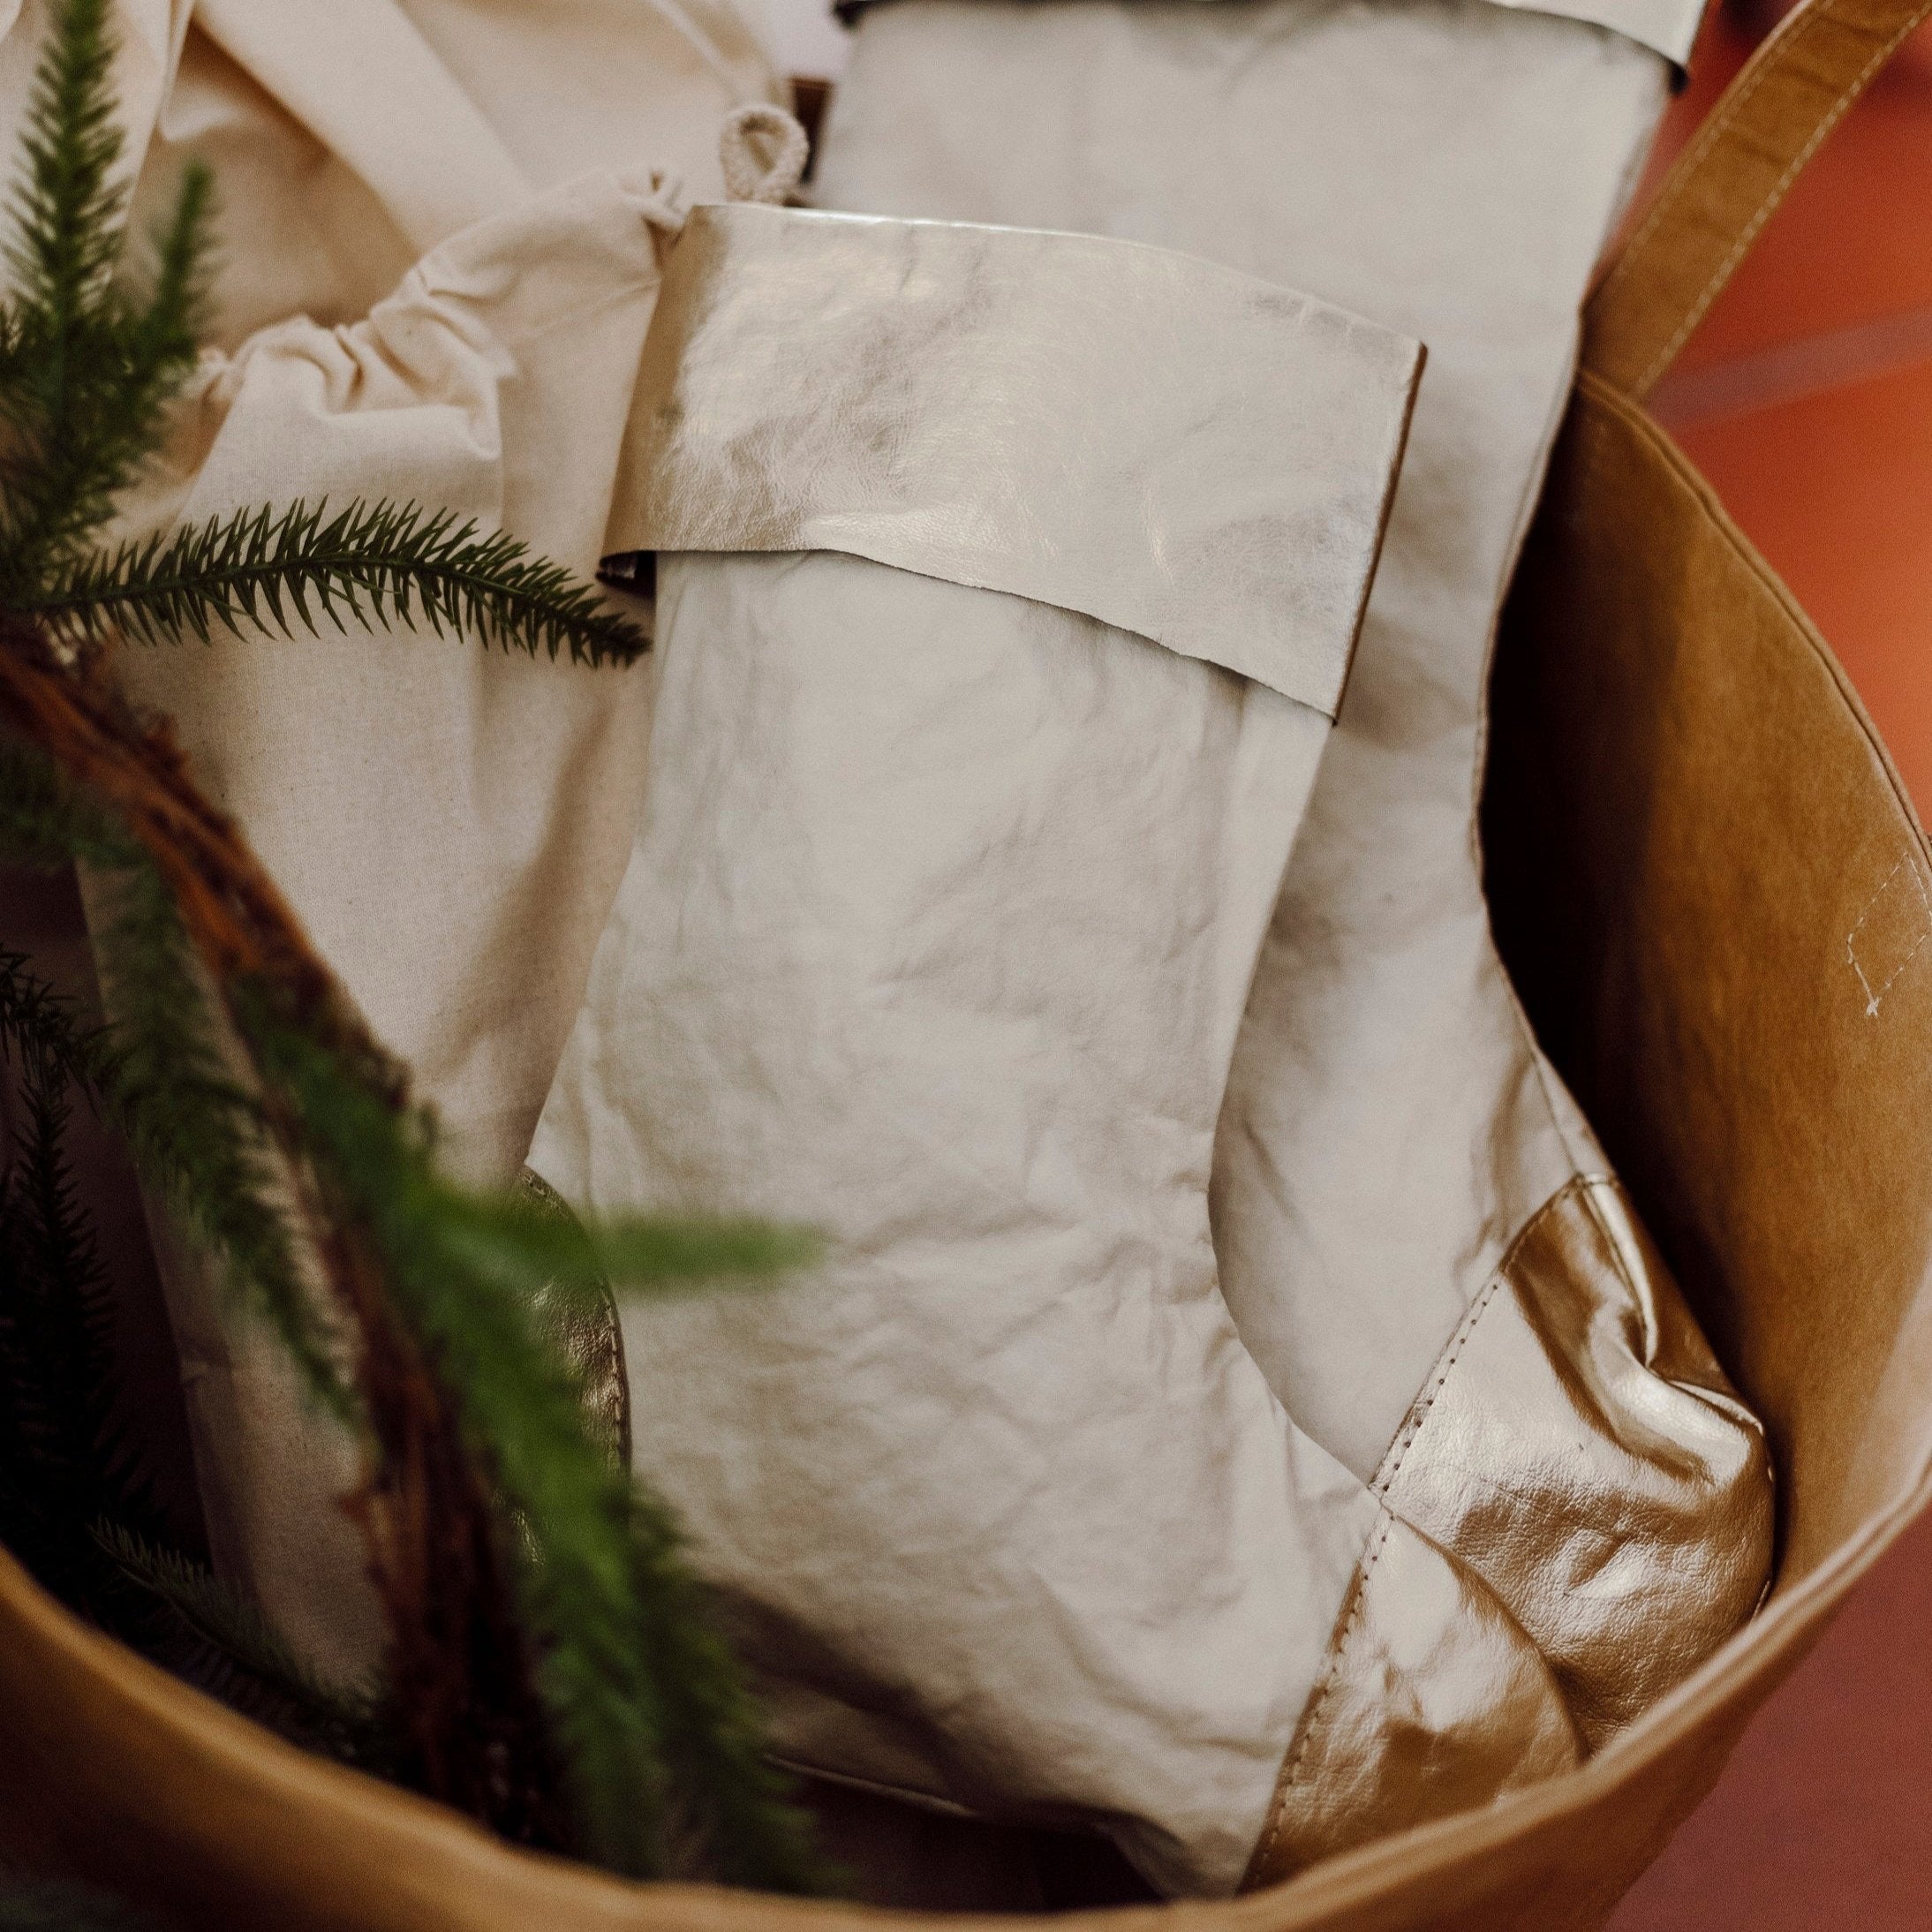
(1726, 184)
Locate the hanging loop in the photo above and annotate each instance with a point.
(764, 151)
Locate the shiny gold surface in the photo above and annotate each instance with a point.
(1190, 454)
(1581, 1451)
(590, 1340)
(1434, 1701)
(1580, 1513)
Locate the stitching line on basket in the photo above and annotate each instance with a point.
(1681, 177)
(1769, 206)
(1872, 998)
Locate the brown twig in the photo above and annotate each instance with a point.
(460, 1668)
(235, 913)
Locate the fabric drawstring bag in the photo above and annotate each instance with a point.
(1421, 1243)
(430, 288)
(1005, 582)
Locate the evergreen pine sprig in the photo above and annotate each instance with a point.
(160, 1073)
(89, 369)
(238, 1656)
(65, 244)
(75, 1506)
(504, 1238)
(35, 1020)
(564, 1684)
(62, 1464)
(640, 1686)
(194, 1129)
(299, 567)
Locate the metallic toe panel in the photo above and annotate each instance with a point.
(1579, 1448)
(589, 1339)
(1434, 1701)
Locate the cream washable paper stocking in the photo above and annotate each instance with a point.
(1417, 1234)
(1005, 582)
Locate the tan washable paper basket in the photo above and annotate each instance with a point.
(1715, 898)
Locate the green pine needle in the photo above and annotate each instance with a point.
(44, 822)
(194, 1128)
(87, 372)
(644, 1699)
(664, 1758)
(65, 1465)
(66, 208)
(244, 1659)
(38, 1027)
(512, 1241)
(369, 563)
(162, 1071)
(63, 1459)
(164, 333)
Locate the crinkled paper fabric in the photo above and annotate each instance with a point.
(936, 936)
(1408, 1210)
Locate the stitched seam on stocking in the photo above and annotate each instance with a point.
(1311, 1720)
(1420, 1409)
(1309, 1728)
(1423, 1406)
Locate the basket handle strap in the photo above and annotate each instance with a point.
(1728, 182)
